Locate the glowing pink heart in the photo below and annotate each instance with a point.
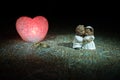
(32, 30)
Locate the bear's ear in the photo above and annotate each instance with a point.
(80, 27)
(92, 33)
(92, 30)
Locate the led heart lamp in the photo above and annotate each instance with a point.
(32, 29)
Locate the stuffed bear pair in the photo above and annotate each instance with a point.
(84, 38)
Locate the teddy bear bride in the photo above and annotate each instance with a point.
(88, 40)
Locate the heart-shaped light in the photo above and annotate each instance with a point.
(32, 29)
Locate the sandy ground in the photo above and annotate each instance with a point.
(22, 60)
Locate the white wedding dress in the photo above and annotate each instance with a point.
(89, 45)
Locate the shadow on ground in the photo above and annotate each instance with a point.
(69, 44)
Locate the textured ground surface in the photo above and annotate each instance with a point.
(21, 60)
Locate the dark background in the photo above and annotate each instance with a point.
(62, 15)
